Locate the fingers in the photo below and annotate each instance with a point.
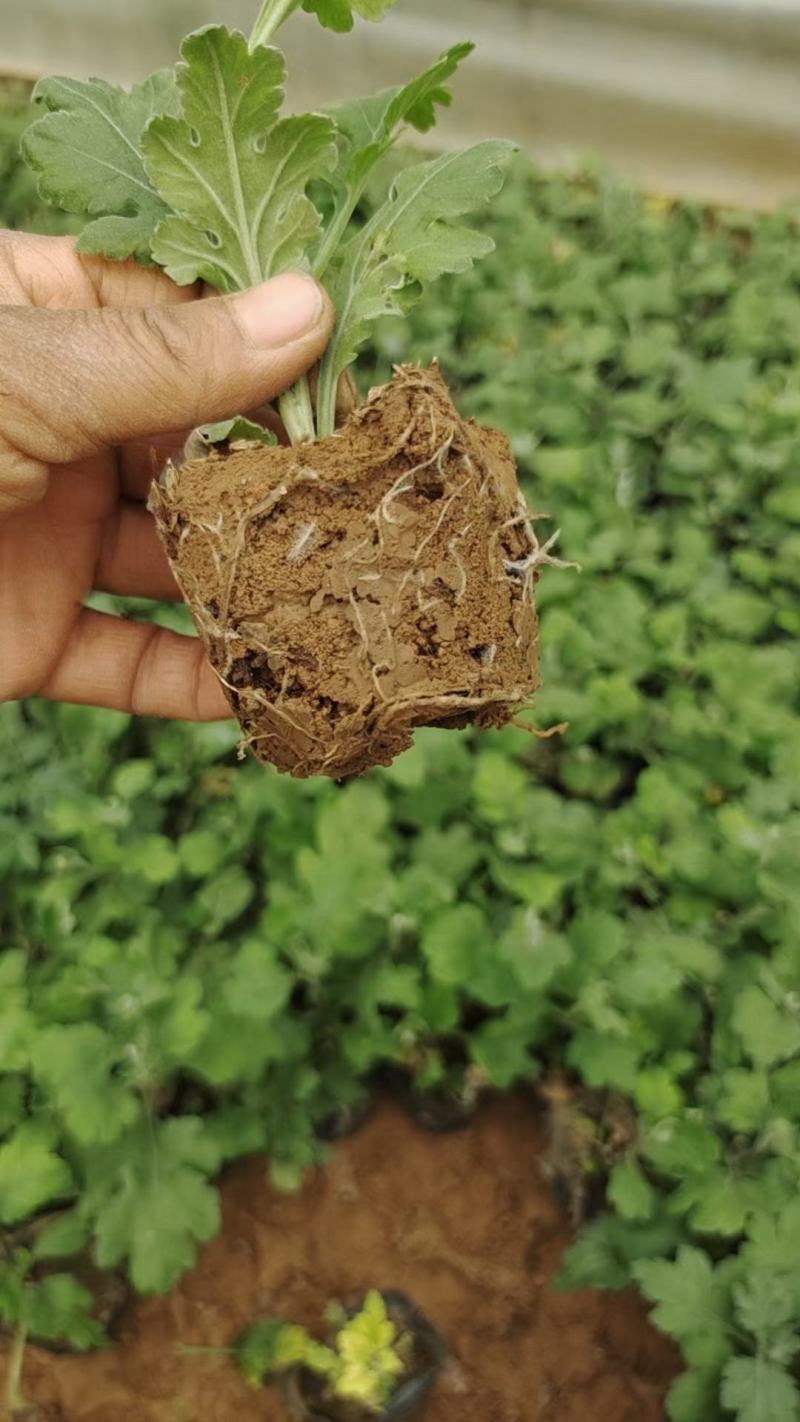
(136, 667)
(48, 272)
(132, 560)
(78, 381)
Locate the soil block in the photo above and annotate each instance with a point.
(352, 589)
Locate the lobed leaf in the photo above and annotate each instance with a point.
(87, 153)
(338, 14)
(234, 178)
(414, 238)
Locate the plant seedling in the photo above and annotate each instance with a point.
(364, 1365)
(365, 580)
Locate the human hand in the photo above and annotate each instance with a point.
(105, 366)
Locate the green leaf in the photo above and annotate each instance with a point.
(223, 898)
(756, 1390)
(31, 1175)
(153, 857)
(373, 121)
(681, 1145)
(67, 1235)
(87, 153)
(502, 1050)
(262, 1348)
(414, 238)
(766, 1302)
(630, 1193)
(694, 1397)
(691, 1303)
(256, 984)
(202, 852)
(368, 127)
(159, 1205)
(338, 14)
(234, 178)
(60, 1309)
(768, 1034)
(133, 778)
(454, 942)
(717, 1202)
(231, 431)
(743, 1101)
(75, 1064)
(604, 1060)
(606, 1250)
(532, 951)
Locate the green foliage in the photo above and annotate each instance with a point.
(54, 1308)
(195, 171)
(21, 205)
(234, 176)
(86, 153)
(622, 900)
(338, 14)
(412, 239)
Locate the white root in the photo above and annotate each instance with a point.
(448, 504)
(302, 544)
(459, 562)
(539, 555)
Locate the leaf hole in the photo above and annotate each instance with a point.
(213, 238)
(194, 138)
(260, 143)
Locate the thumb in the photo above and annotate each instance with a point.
(78, 381)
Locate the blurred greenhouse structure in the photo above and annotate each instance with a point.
(698, 97)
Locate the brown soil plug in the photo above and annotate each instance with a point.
(352, 589)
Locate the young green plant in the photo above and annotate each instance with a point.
(196, 170)
(364, 1365)
(407, 543)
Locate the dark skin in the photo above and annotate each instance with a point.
(105, 367)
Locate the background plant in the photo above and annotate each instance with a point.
(201, 959)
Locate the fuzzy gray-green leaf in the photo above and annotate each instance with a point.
(234, 177)
(413, 239)
(87, 154)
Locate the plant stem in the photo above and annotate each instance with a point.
(297, 412)
(14, 1398)
(326, 403)
(190, 1351)
(336, 231)
(270, 18)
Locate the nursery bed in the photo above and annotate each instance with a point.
(478, 1248)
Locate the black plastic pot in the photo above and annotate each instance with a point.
(441, 1112)
(306, 1397)
(346, 1121)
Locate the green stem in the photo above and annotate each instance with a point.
(15, 1401)
(336, 231)
(271, 16)
(326, 401)
(297, 412)
(186, 1350)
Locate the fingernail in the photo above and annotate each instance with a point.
(281, 310)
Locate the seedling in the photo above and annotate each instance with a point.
(381, 1359)
(362, 581)
(367, 1357)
